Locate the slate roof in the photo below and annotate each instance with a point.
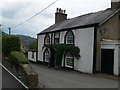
(83, 20)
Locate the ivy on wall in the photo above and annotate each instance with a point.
(60, 49)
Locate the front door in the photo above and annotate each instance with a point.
(107, 61)
(52, 57)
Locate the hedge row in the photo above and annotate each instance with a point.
(18, 58)
(10, 43)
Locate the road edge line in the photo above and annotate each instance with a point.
(14, 76)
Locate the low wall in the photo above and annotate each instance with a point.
(24, 72)
(32, 56)
(29, 76)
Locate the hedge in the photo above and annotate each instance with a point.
(18, 58)
(10, 43)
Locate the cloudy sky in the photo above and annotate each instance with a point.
(17, 11)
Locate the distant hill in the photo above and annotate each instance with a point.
(25, 40)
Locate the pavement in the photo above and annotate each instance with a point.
(51, 78)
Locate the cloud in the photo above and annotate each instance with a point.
(17, 11)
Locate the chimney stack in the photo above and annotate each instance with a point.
(115, 4)
(60, 15)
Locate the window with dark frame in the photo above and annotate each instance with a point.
(46, 56)
(70, 38)
(56, 37)
(47, 39)
(69, 60)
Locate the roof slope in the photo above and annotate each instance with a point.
(82, 20)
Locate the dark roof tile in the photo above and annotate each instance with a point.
(82, 20)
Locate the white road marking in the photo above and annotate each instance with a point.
(14, 76)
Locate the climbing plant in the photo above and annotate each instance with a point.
(60, 49)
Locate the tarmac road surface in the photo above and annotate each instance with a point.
(51, 78)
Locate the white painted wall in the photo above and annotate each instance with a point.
(116, 46)
(40, 47)
(84, 39)
(30, 56)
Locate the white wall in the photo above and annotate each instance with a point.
(40, 47)
(30, 56)
(84, 39)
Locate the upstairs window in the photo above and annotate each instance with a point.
(69, 37)
(56, 37)
(47, 39)
(46, 56)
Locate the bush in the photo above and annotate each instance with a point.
(10, 43)
(61, 49)
(18, 58)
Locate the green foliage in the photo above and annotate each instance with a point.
(61, 49)
(33, 46)
(10, 43)
(18, 58)
(27, 40)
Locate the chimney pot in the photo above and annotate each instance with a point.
(60, 15)
(57, 10)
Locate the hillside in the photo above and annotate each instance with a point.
(25, 40)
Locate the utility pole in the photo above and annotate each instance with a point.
(9, 31)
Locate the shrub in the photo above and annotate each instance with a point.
(60, 49)
(10, 43)
(18, 58)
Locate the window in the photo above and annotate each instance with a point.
(47, 39)
(32, 54)
(56, 37)
(69, 60)
(69, 37)
(46, 56)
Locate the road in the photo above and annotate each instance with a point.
(8, 81)
(51, 78)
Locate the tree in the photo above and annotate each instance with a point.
(33, 46)
(10, 43)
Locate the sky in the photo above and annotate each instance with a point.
(14, 12)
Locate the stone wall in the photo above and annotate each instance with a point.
(24, 72)
(29, 76)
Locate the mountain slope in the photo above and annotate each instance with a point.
(26, 40)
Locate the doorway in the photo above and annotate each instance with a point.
(52, 57)
(107, 61)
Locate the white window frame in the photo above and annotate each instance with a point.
(70, 38)
(56, 36)
(46, 55)
(69, 56)
(47, 39)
